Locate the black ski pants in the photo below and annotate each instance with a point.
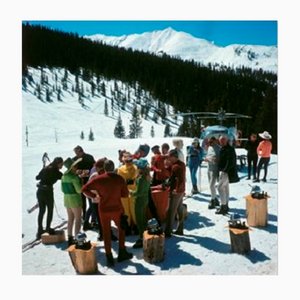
(46, 201)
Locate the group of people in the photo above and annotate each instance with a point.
(261, 150)
(122, 193)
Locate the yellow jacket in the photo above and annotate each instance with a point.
(129, 172)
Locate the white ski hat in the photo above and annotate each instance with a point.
(265, 135)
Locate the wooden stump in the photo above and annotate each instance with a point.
(58, 237)
(161, 201)
(84, 261)
(256, 211)
(153, 247)
(240, 241)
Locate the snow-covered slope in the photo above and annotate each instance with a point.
(55, 127)
(187, 47)
(64, 118)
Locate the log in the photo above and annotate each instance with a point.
(240, 241)
(84, 261)
(256, 211)
(153, 246)
(58, 237)
(161, 201)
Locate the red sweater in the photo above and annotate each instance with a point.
(177, 179)
(159, 167)
(110, 187)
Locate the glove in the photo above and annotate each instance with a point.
(123, 222)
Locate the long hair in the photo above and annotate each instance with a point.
(56, 161)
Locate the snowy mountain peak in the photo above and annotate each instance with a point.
(187, 47)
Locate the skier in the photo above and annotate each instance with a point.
(252, 157)
(71, 187)
(227, 168)
(194, 160)
(110, 187)
(47, 176)
(212, 159)
(176, 183)
(264, 150)
(129, 173)
(141, 195)
(84, 168)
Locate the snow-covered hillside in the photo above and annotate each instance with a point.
(54, 122)
(187, 47)
(58, 105)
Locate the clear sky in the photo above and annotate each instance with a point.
(222, 33)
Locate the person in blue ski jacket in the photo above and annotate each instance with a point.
(194, 160)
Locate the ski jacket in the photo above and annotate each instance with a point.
(264, 149)
(176, 181)
(71, 186)
(227, 159)
(194, 156)
(161, 173)
(129, 173)
(227, 163)
(48, 176)
(251, 148)
(86, 163)
(142, 190)
(110, 187)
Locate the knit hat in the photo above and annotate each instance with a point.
(69, 163)
(145, 148)
(141, 163)
(265, 135)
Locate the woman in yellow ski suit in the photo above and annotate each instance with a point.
(129, 172)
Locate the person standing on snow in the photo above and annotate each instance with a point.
(141, 195)
(264, 150)
(252, 157)
(47, 176)
(71, 187)
(129, 173)
(212, 159)
(228, 173)
(194, 160)
(84, 167)
(176, 183)
(110, 187)
(178, 144)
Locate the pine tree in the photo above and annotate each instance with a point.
(119, 130)
(103, 89)
(167, 131)
(82, 135)
(59, 94)
(105, 108)
(91, 135)
(152, 131)
(135, 128)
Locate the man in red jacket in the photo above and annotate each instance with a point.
(108, 188)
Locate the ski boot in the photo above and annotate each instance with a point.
(124, 255)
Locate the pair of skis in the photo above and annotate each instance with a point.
(36, 241)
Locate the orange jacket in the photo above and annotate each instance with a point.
(264, 148)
